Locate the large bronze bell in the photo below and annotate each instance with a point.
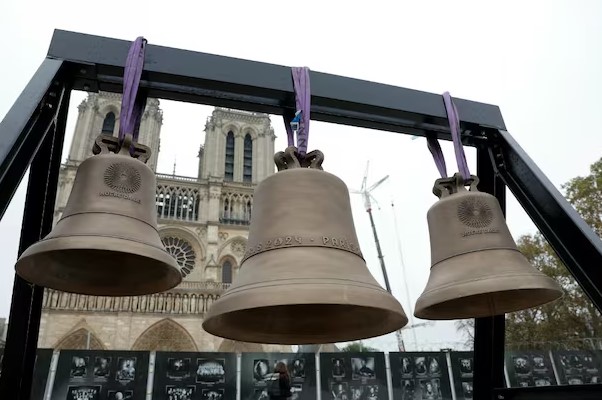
(106, 242)
(476, 268)
(303, 279)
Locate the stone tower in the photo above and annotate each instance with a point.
(203, 222)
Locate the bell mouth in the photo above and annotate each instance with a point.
(92, 265)
(304, 323)
(484, 283)
(487, 304)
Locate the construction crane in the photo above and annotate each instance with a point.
(366, 193)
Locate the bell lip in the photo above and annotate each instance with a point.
(428, 305)
(226, 311)
(211, 325)
(26, 266)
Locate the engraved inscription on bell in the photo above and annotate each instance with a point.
(123, 179)
(302, 241)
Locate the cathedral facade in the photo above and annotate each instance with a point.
(203, 222)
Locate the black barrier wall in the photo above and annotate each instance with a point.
(188, 376)
(529, 368)
(100, 375)
(462, 370)
(121, 375)
(577, 367)
(353, 376)
(255, 367)
(417, 376)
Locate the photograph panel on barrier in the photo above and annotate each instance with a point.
(357, 376)
(211, 375)
(420, 375)
(101, 374)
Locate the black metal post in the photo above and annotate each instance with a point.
(489, 332)
(575, 243)
(24, 126)
(26, 305)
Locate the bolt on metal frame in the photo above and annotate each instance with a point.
(34, 128)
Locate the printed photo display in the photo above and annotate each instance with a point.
(201, 376)
(97, 374)
(420, 376)
(529, 369)
(424, 372)
(578, 367)
(258, 368)
(353, 376)
(179, 392)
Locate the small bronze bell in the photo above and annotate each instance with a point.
(106, 242)
(476, 268)
(303, 279)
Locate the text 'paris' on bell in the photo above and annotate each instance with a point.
(106, 242)
(476, 267)
(303, 279)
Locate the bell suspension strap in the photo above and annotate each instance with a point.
(435, 147)
(299, 124)
(132, 104)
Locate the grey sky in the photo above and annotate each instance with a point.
(540, 61)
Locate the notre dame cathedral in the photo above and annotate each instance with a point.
(203, 222)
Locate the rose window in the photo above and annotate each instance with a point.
(182, 251)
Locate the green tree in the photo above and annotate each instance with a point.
(358, 347)
(572, 321)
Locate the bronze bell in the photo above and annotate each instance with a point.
(303, 279)
(476, 268)
(106, 242)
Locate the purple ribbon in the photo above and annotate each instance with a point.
(132, 105)
(454, 126)
(435, 149)
(303, 104)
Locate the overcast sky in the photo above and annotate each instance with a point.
(540, 61)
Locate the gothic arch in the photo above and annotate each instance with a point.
(78, 340)
(165, 335)
(236, 208)
(224, 248)
(107, 107)
(233, 267)
(231, 346)
(250, 130)
(230, 127)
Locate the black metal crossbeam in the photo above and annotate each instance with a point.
(93, 63)
(255, 86)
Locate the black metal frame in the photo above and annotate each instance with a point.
(34, 128)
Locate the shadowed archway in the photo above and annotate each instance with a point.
(165, 335)
(231, 346)
(80, 339)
